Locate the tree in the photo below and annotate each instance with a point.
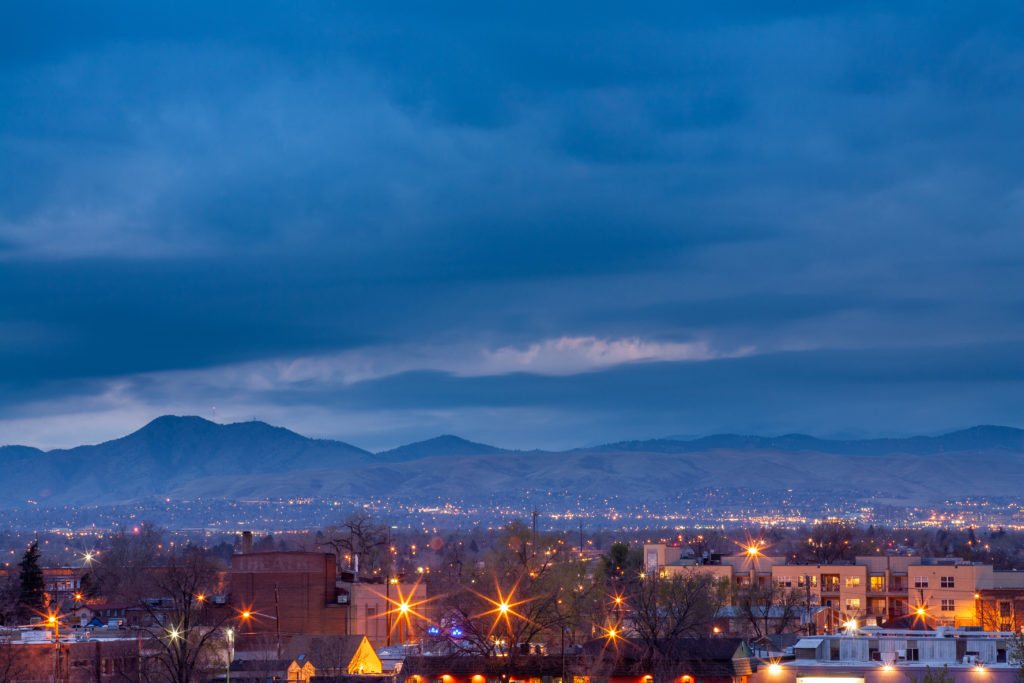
(123, 566)
(768, 608)
(185, 635)
(620, 564)
(10, 591)
(680, 606)
(525, 593)
(32, 589)
(1015, 655)
(830, 542)
(359, 534)
(931, 675)
(15, 664)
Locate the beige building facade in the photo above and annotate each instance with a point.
(871, 590)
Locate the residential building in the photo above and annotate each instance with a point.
(871, 589)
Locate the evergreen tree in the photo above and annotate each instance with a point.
(32, 593)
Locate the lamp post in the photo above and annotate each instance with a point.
(230, 637)
(54, 621)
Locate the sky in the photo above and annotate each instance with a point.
(529, 224)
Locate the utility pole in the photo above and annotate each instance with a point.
(277, 619)
(535, 514)
(387, 592)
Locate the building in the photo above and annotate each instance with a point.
(893, 656)
(299, 593)
(871, 589)
(702, 660)
(287, 593)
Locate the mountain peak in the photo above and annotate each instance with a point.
(446, 444)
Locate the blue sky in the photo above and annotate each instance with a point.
(527, 224)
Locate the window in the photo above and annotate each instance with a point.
(912, 654)
(852, 581)
(878, 583)
(830, 583)
(805, 580)
(920, 582)
(948, 606)
(785, 581)
(852, 604)
(946, 581)
(1004, 609)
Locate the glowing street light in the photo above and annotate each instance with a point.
(851, 625)
(403, 608)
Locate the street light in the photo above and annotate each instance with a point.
(230, 637)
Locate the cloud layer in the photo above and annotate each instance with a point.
(513, 222)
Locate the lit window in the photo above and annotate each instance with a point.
(852, 581)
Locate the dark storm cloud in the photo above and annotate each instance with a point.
(191, 186)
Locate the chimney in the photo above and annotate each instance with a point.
(246, 542)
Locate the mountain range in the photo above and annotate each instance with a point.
(188, 457)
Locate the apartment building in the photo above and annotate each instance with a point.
(872, 589)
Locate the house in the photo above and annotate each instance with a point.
(334, 655)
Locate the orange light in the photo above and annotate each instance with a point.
(246, 614)
(920, 611)
(52, 619)
(716, 630)
(503, 607)
(887, 667)
(78, 596)
(774, 669)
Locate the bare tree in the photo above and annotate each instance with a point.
(184, 632)
(665, 610)
(527, 592)
(122, 568)
(768, 609)
(359, 534)
(831, 542)
(14, 665)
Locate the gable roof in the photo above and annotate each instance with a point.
(325, 652)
